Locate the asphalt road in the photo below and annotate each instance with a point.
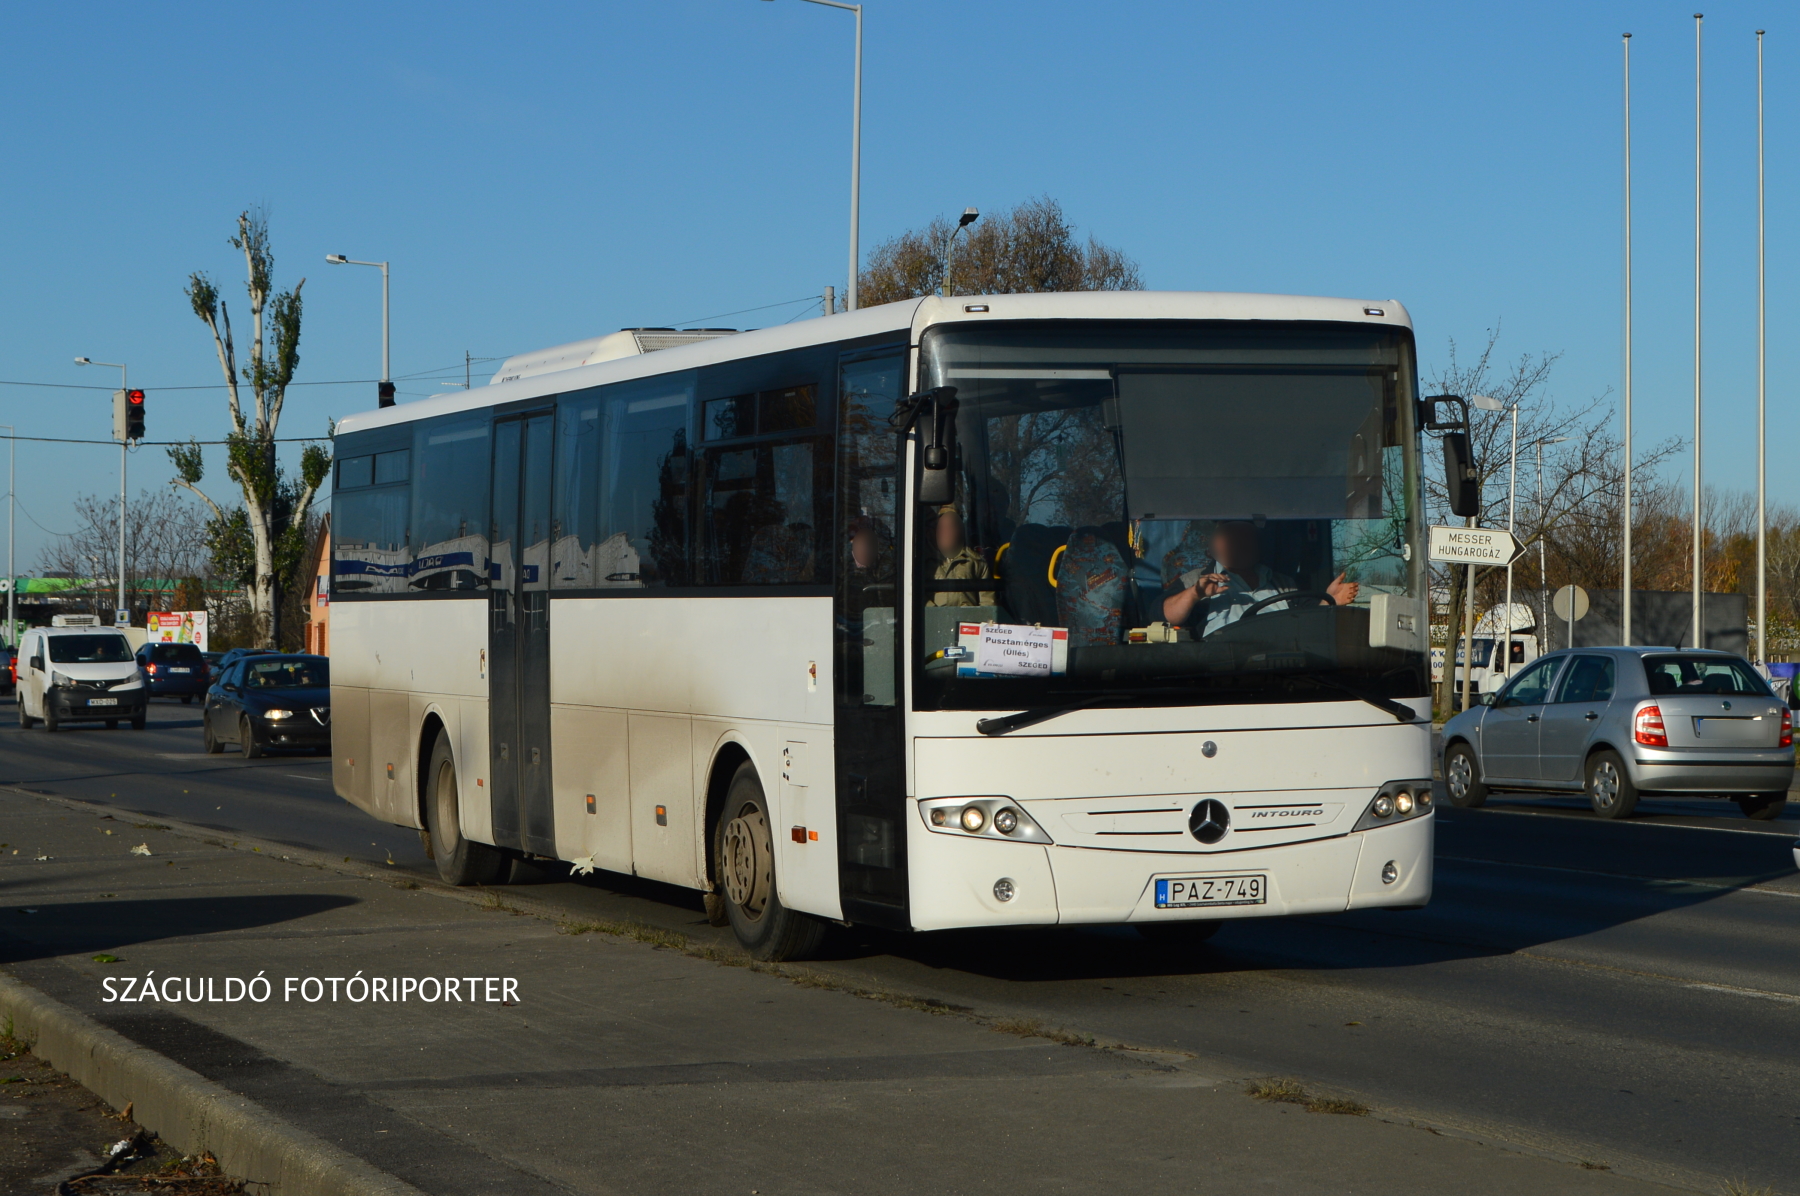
(1623, 993)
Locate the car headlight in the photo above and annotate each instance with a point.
(276, 716)
(59, 680)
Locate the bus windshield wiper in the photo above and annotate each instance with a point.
(1025, 718)
(1403, 714)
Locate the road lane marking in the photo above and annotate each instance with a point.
(1782, 832)
(303, 777)
(1761, 994)
(1662, 880)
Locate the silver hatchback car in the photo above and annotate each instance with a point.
(1617, 723)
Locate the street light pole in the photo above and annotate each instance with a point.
(969, 216)
(124, 384)
(12, 499)
(386, 394)
(1543, 622)
(855, 149)
(1512, 527)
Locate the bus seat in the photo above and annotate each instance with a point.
(1194, 552)
(1091, 588)
(1024, 573)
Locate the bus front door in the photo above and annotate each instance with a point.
(519, 638)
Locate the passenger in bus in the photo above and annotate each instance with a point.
(1209, 600)
(871, 554)
(958, 562)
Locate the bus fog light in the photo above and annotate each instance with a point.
(973, 818)
(1006, 821)
(1403, 802)
(1390, 872)
(940, 817)
(1424, 799)
(1383, 807)
(1003, 889)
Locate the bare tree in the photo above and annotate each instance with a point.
(166, 554)
(1581, 486)
(268, 530)
(1032, 247)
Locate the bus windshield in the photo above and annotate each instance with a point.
(1183, 511)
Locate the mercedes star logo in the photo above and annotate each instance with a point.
(1209, 820)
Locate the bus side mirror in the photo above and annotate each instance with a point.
(1460, 478)
(937, 478)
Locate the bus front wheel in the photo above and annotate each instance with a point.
(744, 851)
(460, 861)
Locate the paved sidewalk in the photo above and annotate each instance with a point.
(624, 1066)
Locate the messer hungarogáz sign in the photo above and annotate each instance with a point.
(1473, 545)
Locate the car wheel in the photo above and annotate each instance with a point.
(211, 741)
(138, 721)
(26, 722)
(187, 699)
(1179, 935)
(744, 854)
(247, 740)
(51, 722)
(1609, 787)
(459, 861)
(1763, 807)
(1462, 777)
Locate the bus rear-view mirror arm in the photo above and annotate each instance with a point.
(936, 483)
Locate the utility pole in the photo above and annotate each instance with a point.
(1762, 392)
(118, 431)
(830, 304)
(1625, 584)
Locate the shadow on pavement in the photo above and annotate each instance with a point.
(45, 929)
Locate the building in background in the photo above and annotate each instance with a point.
(318, 604)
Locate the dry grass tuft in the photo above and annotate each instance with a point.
(1287, 1092)
(1332, 1104)
(1743, 1187)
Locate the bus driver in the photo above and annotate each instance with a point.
(1209, 601)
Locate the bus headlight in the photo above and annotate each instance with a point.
(983, 817)
(1396, 801)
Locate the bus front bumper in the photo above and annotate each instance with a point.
(957, 882)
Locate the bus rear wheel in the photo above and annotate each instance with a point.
(744, 851)
(460, 861)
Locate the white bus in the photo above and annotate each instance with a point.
(1008, 610)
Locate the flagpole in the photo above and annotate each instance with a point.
(1696, 640)
(1625, 582)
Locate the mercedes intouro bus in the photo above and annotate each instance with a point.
(1008, 610)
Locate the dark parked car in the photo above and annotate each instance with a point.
(9, 668)
(175, 670)
(269, 700)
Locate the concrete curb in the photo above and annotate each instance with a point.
(189, 1111)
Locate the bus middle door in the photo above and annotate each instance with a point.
(519, 638)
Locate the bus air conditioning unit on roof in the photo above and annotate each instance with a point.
(627, 342)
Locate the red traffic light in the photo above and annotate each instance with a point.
(135, 396)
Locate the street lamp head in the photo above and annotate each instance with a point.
(337, 259)
(1486, 403)
(969, 216)
(83, 361)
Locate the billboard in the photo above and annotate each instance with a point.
(178, 627)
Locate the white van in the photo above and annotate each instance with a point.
(79, 674)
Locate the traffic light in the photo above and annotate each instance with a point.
(384, 394)
(128, 415)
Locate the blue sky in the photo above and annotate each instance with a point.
(539, 173)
